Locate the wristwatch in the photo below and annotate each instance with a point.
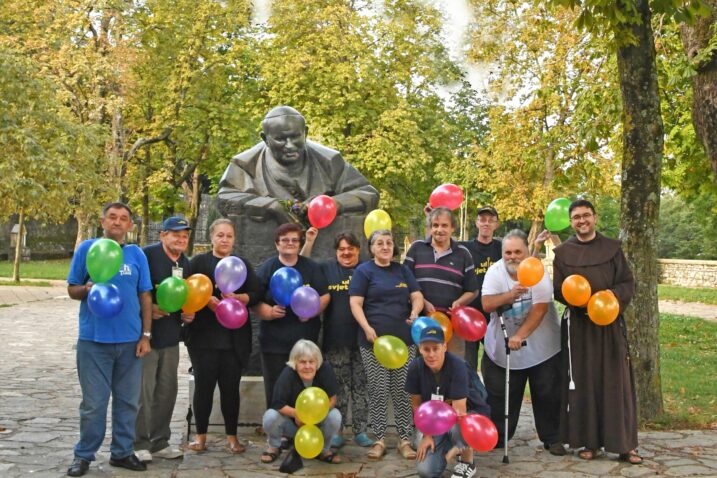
(147, 334)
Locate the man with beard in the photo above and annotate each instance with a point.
(531, 318)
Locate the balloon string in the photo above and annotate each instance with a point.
(570, 356)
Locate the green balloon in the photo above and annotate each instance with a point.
(104, 260)
(556, 216)
(171, 294)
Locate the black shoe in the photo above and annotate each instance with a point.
(78, 467)
(556, 449)
(292, 462)
(131, 462)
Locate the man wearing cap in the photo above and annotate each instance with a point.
(159, 368)
(485, 250)
(440, 375)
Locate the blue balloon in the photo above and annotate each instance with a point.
(104, 300)
(283, 284)
(419, 324)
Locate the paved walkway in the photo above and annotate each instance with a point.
(39, 396)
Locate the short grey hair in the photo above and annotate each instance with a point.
(440, 211)
(302, 349)
(518, 234)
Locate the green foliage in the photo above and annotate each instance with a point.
(685, 232)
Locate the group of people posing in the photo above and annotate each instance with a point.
(580, 377)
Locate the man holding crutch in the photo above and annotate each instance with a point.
(533, 331)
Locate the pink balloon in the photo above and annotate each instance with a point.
(447, 195)
(321, 211)
(479, 432)
(468, 323)
(231, 313)
(434, 417)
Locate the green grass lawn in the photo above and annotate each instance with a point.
(34, 283)
(52, 269)
(687, 294)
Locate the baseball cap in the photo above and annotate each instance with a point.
(487, 209)
(432, 333)
(175, 223)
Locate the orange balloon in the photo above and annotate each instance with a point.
(444, 322)
(603, 307)
(576, 290)
(200, 291)
(530, 271)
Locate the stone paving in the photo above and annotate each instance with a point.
(39, 397)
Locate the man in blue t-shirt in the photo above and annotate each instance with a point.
(109, 350)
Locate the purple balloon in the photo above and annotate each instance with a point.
(434, 417)
(231, 313)
(305, 303)
(104, 300)
(230, 274)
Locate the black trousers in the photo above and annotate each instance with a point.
(471, 353)
(544, 381)
(211, 367)
(271, 367)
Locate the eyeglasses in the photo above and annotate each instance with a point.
(579, 217)
(290, 240)
(487, 221)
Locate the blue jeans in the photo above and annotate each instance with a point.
(435, 462)
(277, 425)
(104, 370)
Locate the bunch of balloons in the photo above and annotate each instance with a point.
(229, 275)
(603, 307)
(446, 195)
(479, 432)
(434, 417)
(390, 351)
(556, 215)
(312, 407)
(576, 290)
(321, 211)
(103, 261)
(468, 323)
(376, 220)
(444, 322)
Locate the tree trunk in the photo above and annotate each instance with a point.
(144, 232)
(695, 39)
(640, 205)
(18, 247)
(86, 226)
(194, 209)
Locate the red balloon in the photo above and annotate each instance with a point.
(447, 195)
(479, 432)
(322, 211)
(468, 323)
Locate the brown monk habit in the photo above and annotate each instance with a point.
(601, 411)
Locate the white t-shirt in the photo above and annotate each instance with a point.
(543, 343)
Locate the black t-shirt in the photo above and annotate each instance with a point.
(340, 327)
(483, 256)
(279, 336)
(167, 330)
(289, 385)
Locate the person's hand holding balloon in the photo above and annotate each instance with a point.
(428, 307)
(187, 318)
(244, 298)
(158, 313)
(516, 291)
(370, 334)
(277, 312)
(213, 303)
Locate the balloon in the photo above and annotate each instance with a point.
(479, 432)
(321, 211)
(390, 351)
(530, 271)
(419, 324)
(446, 195)
(305, 303)
(199, 291)
(104, 260)
(468, 323)
(312, 405)
(603, 307)
(309, 441)
(171, 294)
(231, 313)
(434, 417)
(576, 290)
(376, 220)
(283, 284)
(230, 274)
(556, 215)
(104, 300)
(444, 322)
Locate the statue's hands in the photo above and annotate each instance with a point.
(279, 212)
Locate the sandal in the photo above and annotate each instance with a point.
(329, 457)
(406, 450)
(630, 457)
(377, 450)
(270, 455)
(236, 448)
(199, 444)
(586, 454)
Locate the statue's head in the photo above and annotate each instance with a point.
(284, 132)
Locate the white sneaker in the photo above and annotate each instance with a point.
(169, 453)
(463, 470)
(143, 455)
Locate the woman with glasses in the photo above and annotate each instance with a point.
(280, 328)
(385, 299)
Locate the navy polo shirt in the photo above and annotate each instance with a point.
(340, 327)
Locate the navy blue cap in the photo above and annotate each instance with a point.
(175, 223)
(432, 333)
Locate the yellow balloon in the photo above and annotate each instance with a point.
(312, 405)
(390, 351)
(309, 441)
(376, 220)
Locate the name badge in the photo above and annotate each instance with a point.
(177, 272)
(435, 396)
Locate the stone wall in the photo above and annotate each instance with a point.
(688, 273)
